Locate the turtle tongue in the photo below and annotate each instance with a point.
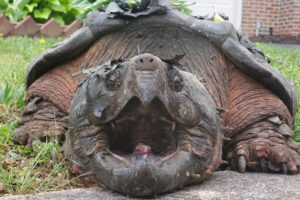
(142, 149)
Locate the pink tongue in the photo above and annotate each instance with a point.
(142, 149)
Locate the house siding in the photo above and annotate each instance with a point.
(283, 16)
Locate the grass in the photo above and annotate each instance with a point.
(287, 61)
(43, 168)
(25, 170)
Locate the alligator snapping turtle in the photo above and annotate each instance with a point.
(160, 94)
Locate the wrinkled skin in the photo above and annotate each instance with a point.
(144, 127)
(153, 123)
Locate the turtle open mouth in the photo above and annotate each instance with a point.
(143, 132)
(143, 127)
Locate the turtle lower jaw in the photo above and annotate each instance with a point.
(145, 177)
(143, 156)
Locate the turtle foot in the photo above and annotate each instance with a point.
(40, 119)
(265, 149)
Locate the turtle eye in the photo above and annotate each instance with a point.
(175, 80)
(176, 84)
(113, 80)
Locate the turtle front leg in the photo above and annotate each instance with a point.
(266, 146)
(258, 129)
(40, 119)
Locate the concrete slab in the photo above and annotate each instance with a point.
(221, 185)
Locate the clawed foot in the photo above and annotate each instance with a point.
(39, 120)
(266, 153)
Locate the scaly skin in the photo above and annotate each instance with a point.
(39, 120)
(261, 135)
(265, 146)
(256, 121)
(262, 145)
(135, 125)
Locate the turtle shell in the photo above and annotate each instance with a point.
(237, 48)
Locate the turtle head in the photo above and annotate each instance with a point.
(145, 127)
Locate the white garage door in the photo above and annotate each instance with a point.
(232, 8)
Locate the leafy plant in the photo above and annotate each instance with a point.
(12, 95)
(64, 11)
(180, 5)
(14, 10)
(85, 6)
(43, 10)
(40, 10)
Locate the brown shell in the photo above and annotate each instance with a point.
(223, 35)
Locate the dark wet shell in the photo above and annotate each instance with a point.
(222, 34)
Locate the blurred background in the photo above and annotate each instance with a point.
(262, 20)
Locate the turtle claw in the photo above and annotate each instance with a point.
(263, 165)
(264, 155)
(232, 164)
(284, 169)
(38, 123)
(242, 163)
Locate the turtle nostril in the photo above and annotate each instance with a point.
(146, 62)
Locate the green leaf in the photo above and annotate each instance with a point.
(31, 6)
(4, 133)
(133, 2)
(14, 13)
(100, 3)
(57, 6)
(20, 4)
(59, 19)
(24, 151)
(186, 10)
(77, 3)
(55, 2)
(43, 13)
(3, 5)
(70, 16)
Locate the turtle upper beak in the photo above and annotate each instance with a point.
(150, 76)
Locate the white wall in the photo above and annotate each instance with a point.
(232, 8)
